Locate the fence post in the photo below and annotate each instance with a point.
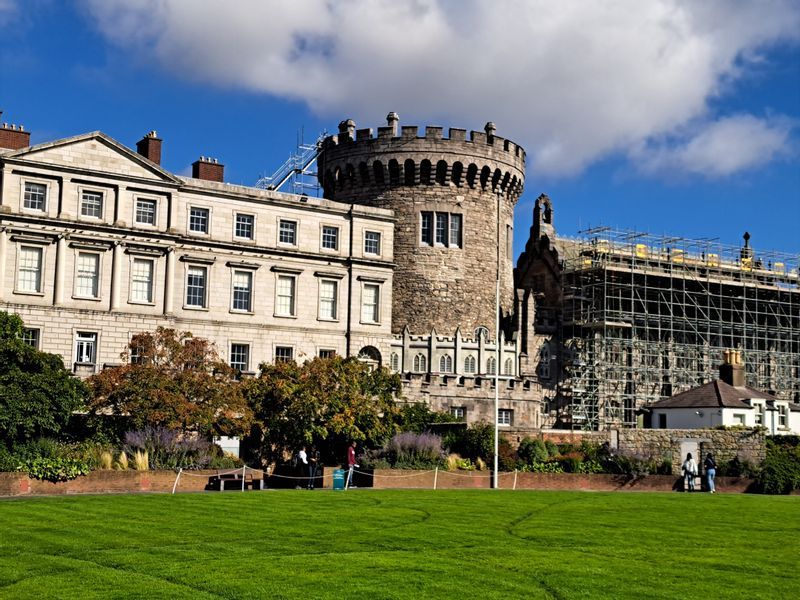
(515, 479)
(435, 477)
(174, 487)
(244, 472)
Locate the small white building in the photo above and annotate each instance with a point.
(727, 401)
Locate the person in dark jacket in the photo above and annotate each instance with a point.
(313, 464)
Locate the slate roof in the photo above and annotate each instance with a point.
(716, 394)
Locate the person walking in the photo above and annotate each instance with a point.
(710, 466)
(302, 465)
(351, 464)
(313, 464)
(689, 473)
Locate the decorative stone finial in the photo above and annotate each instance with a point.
(489, 128)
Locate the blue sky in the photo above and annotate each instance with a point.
(670, 117)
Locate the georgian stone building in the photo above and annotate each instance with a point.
(397, 264)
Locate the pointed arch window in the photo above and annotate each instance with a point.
(446, 364)
(491, 365)
(420, 363)
(469, 365)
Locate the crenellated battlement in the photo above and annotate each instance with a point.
(399, 156)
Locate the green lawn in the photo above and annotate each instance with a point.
(401, 544)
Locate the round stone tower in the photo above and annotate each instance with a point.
(445, 193)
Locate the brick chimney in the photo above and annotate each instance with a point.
(150, 147)
(732, 370)
(208, 169)
(14, 137)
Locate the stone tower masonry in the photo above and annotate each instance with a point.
(445, 194)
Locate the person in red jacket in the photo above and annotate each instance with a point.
(351, 464)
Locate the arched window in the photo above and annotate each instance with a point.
(544, 361)
(446, 364)
(377, 172)
(481, 331)
(370, 356)
(420, 363)
(441, 172)
(508, 367)
(498, 174)
(363, 171)
(472, 173)
(491, 365)
(469, 365)
(409, 172)
(425, 172)
(394, 172)
(394, 362)
(458, 171)
(350, 174)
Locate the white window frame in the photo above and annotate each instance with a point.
(505, 417)
(251, 284)
(132, 299)
(335, 301)
(34, 341)
(420, 363)
(491, 365)
(508, 367)
(445, 363)
(459, 412)
(375, 317)
(427, 220)
(39, 291)
(278, 347)
(279, 309)
(470, 364)
(189, 229)
(783, 416)
(98, 276)
(377, 241)
(90, 190)
(46, 199)
(247, 360)
(206, 281)
(82, 337)
(326, 353)
(295, 235)
(252, 235)
(336, 238)
(148, 200)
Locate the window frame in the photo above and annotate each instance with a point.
(98, 275)
(335, 231)
(292, 314)
(45, 198)
(236, 236)
(282, 359)
(206, 280)
(295, 230)
(335, 300)
(145, 200)
(420, 363)
(91, 336)
(189, 217)
(445, 363)
(251, 284)
(34, 341)
(82, 192)
(326, 353)
(377, 242)
(458, 412)
(247, 359)
(470, 364)
(151, 283)
(505, 417)
(40, 272)
(376, 312)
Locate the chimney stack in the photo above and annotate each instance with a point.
(732, 370)
(392, 119)
(150, 147)
(208, 169)
(13, 137)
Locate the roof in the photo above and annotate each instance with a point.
(716, 394)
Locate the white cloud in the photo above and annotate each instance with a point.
(721, 148)
(572, 81)
(8, 11)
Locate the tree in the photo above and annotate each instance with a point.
(37, 394)
(172, 380)
(335, 400)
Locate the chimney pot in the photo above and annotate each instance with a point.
(13, 137)
(208, 169)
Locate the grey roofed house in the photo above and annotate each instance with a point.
(715, 394)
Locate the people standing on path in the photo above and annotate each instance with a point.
(313, 463)
(351, 464)
(710, 466)
(302, 465)
(689, 473)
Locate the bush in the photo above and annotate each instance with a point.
(780, 473)
(639, 465)
(737, 468)
(54, 469)
(507, 459)
(532, 451)
(477, 441)
(414, 451)
(543, 467)
(166, 449)
(417, 417)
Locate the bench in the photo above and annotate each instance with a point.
(222, 478)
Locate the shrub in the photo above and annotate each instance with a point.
(122, 462)
(414, 450)
(417, 417)
(507, 459)
(54, 469)
(106, 460)
(552, 449)
(532, 451)
(166, 449)
(780, 473)
(639, 465)
(140, 460)
(543, 467)
(737, 468)
(477, 441)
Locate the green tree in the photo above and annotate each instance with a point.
(174, 380)
(37, 394)
(331, 400)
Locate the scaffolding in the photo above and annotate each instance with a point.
(296, 170)
(645, 317)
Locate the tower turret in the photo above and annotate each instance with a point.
(446, 192)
